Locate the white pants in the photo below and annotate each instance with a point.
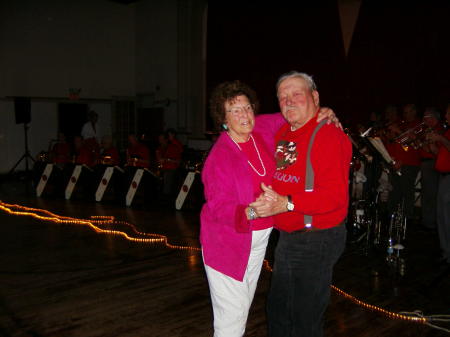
(231, 299)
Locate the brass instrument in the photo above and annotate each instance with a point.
(106, 160)
(397, 235)
(133, 161)
(195, 164)
(414, 137)
(384, 131)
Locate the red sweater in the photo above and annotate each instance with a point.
(331, 155)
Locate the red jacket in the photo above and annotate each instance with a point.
(411, 156)
(61, 153)
(85, 156)
(331, 155)
(140, 154)
(170, 156)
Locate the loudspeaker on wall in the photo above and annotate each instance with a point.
(22, 109)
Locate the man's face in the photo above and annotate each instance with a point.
(298, 103)
(409, 112)
(78, 142)
(162, 140)
(430, 120)
(106, 143)
(391, 114)
(132, 140)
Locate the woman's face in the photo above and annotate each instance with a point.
(239, 118)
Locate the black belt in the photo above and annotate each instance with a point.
(315, 229)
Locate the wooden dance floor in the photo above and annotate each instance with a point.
(67, 280)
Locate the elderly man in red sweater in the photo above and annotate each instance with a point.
(309, 200)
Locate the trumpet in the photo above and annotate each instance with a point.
(414, 137)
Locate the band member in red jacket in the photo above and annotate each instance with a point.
(309, 216)
(83, 154)
(61, 153)
(429, 176)
(137, 153)
(168, 155)
(407, 160)
(108, 152)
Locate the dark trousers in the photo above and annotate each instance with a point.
(430, 183)
(443, 215)
(301, 280)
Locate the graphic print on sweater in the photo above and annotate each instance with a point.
(286, 154)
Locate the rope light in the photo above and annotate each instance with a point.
(96, 221)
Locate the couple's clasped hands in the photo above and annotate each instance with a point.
(269, 202)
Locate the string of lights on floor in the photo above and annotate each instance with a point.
(104, 225)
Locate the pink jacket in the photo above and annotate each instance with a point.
(225, 233)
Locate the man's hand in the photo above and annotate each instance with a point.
(327, 113)
(269, 202)
(433, 137)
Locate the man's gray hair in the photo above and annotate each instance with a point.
(432, 111)
(307, 78)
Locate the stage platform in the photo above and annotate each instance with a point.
(60, 279)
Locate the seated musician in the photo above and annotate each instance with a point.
(109, 156)
(168, 155)
(83, 153)
(137, 153)
(108, 153)
(173, 140)
(61, 152)
(138, 157)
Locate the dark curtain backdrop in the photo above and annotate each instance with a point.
(399, 53)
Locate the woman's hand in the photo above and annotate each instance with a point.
(269, 202)
(327, 113)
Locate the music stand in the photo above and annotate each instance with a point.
(26, 154)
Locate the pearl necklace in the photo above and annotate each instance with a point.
(259, 156)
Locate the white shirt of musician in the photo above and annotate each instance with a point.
(88, 131)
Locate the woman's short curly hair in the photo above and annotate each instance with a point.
(226, 92)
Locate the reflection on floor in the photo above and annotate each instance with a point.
(60, 280)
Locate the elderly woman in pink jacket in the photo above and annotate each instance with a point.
(233, 239)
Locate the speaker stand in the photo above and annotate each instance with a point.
(26, 155)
